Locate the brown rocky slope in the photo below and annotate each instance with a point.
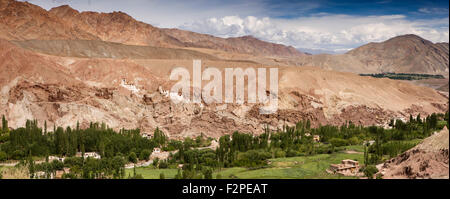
(429, 159)
(131, 93)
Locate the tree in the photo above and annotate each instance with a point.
(45, 127)
(5, 128)
(337, 142)
(179, 175)
(132, 157)
(370, 170)
(366, 155)
(31, 167)
(308, 124)
(145, 154)
(208, 174)
(162, 165)
(155, 162)
(3, 156)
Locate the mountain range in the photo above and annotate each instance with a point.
(64, 66)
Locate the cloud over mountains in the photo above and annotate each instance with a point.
(323, 31)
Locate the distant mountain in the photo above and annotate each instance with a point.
(311, 51)
(245, 44)
(406, 53)
(25, 21)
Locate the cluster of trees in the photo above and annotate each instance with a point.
(199, 141)
(34, 141)
(115, 148)
(402, 136)
(404, 76)
(4, 131)
(80, 168)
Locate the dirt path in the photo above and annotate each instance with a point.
(352, 152)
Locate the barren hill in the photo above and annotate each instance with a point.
(406, 53)
(102, 49)
(22, 21)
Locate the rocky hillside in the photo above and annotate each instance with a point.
(429, 159)
(132, 93)
(23, 21)
(115, 27)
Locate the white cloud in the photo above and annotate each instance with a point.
(323, 31)
(434, 10)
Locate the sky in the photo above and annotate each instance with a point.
(330, 26)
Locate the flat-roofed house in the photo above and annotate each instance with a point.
(347, 167)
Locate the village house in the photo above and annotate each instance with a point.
(60, 173)
(347, 167)
(316, 138)
(94, 155)
(57, 175)
(147, 135)
(368, 143)
(39, 175)
(156, 150)
(52, 158)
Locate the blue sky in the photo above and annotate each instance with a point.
(320, 26)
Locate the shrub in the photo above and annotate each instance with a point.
(3, 156)
(370, 170)
(163, 165)
(337, 142)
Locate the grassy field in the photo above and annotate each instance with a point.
(358, 148)
(150, 173)
(304, 167)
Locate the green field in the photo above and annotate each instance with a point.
(358, 148)
(303, 167)
(150, 173)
